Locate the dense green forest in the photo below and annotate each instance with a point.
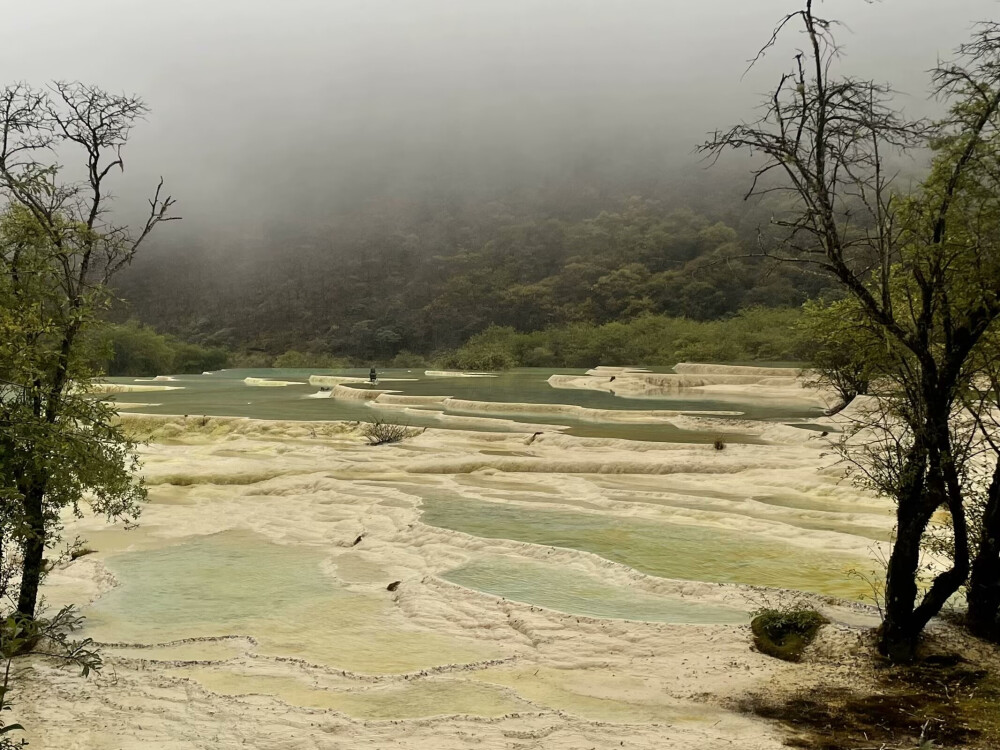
(415, 283)
(755, 334)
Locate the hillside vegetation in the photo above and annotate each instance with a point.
(627, 284)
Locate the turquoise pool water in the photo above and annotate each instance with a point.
(579, 593)
(225, 393)
(670, 550)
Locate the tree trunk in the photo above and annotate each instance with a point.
(32, 567)
(930, 480)
(34, 552)
(984, 586)
(898, 634)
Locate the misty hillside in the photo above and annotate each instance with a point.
(422, 278)
(361, 180)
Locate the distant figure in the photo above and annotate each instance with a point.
(612, 379)
(372, 375)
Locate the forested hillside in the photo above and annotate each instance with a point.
(423, 279)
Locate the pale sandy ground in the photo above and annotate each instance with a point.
(431, 665)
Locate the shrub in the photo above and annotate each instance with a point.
(134, 349)
(493, 349)
(785, 633)
(381, 432)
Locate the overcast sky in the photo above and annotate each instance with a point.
(258, 106)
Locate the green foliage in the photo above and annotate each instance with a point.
(844, 348)
(785, 633)
(757, 334)
(52, 432)
(134, 349)
(925, 345)
(60, 449)
(921, 269)
(191, 358)
(493, 349)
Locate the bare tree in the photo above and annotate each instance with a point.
(923, 269)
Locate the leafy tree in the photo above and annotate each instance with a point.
(59, 250)
(191, 358)
(615, 292)
(844, 351)
(923, 271)
(490, 350)
(135, 349)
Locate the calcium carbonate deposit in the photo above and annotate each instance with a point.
(514, 574)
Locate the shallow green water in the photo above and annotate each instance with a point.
(578, 593)
(220, 581)
(687, 552)
(239, 583)
(225, 394)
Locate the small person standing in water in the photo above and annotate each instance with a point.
(372, 376)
